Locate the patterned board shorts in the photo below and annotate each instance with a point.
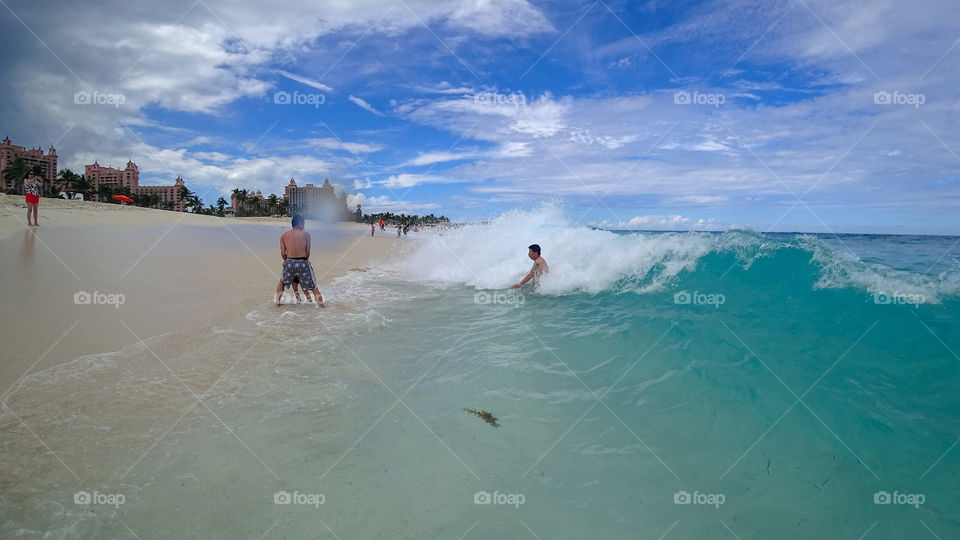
(299, 270)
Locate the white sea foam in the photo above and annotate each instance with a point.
(582, 259)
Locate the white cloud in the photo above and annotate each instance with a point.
(385, 204)
(362, 184)
(508, 18)
(336, 144)
(516, 114)
(364, 105)
(661, 222)
(305, 80)
(407, 180)
(430, 158)
(210, 175)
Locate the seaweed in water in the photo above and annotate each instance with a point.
(486, 416)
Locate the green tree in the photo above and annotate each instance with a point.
(104, 193)
(239, 198)
(15, 172)
(77, 183)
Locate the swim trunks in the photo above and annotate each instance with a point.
(31, 198)
(301, 270)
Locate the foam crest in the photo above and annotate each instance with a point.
(582, 259)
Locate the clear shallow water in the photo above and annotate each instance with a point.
(824, 377)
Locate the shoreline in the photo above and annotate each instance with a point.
(97, 277)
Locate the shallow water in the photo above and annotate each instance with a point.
(823, 378)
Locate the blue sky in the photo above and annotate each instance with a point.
(794, 115)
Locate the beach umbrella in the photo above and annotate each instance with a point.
(123, 198)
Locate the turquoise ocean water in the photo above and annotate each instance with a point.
(659, 385)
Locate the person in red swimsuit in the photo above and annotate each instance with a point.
(32, 186)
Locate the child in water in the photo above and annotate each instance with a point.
(296, 291)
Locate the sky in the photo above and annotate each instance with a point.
(794, 115)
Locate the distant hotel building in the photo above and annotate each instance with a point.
(129, 178)
(313, 201)
(9, 152)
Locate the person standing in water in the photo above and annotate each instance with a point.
(32, 186)
(295, 250)
(539, 268)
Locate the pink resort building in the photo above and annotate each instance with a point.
(129, 177)
(9, 152)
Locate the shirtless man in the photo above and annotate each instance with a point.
(295, 250)
(539, 268)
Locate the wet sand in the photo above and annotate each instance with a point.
(94, 277)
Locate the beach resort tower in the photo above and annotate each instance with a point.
(10, 152)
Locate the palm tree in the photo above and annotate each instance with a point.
(272, 204)
(104, 192)
(51, 187)
(221, 204)
(77, 183)
(15, 172)
(239, 197)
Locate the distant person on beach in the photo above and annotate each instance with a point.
(399, 230)
(32, 186)
(295, 250)
(372, 228)
(383, 225)
(539, 268)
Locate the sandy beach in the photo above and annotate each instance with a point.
(173, 273)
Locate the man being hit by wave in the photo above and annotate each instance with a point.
(295, 250)
(539, 268)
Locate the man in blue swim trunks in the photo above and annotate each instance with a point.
(295, 250)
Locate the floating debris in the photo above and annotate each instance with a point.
(486, 416)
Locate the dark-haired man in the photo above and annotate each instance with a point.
(295, 250)
(539, 268)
